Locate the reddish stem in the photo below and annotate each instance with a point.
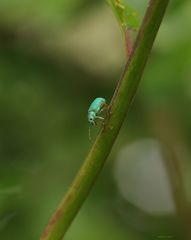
(128, 43)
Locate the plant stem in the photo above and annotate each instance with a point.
(178, 189)
(168, 131)
(128, 43)
(120, 104)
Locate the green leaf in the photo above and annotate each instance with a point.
(125, 14)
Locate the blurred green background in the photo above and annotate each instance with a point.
(55, 58)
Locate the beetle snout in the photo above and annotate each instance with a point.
(91, 118)
(91, 121)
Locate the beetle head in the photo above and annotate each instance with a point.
(91, 118)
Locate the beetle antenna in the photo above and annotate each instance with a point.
(89, 132)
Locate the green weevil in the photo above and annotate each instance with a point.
(96, 107)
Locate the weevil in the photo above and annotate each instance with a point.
(96, 107)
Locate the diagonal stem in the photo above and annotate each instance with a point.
(120, 104)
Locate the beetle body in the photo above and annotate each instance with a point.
(95, 108)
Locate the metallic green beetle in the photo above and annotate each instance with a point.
(96, 107)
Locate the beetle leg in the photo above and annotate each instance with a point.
(104, 107)
(101, 118)
(109, 112)
(107, 108)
